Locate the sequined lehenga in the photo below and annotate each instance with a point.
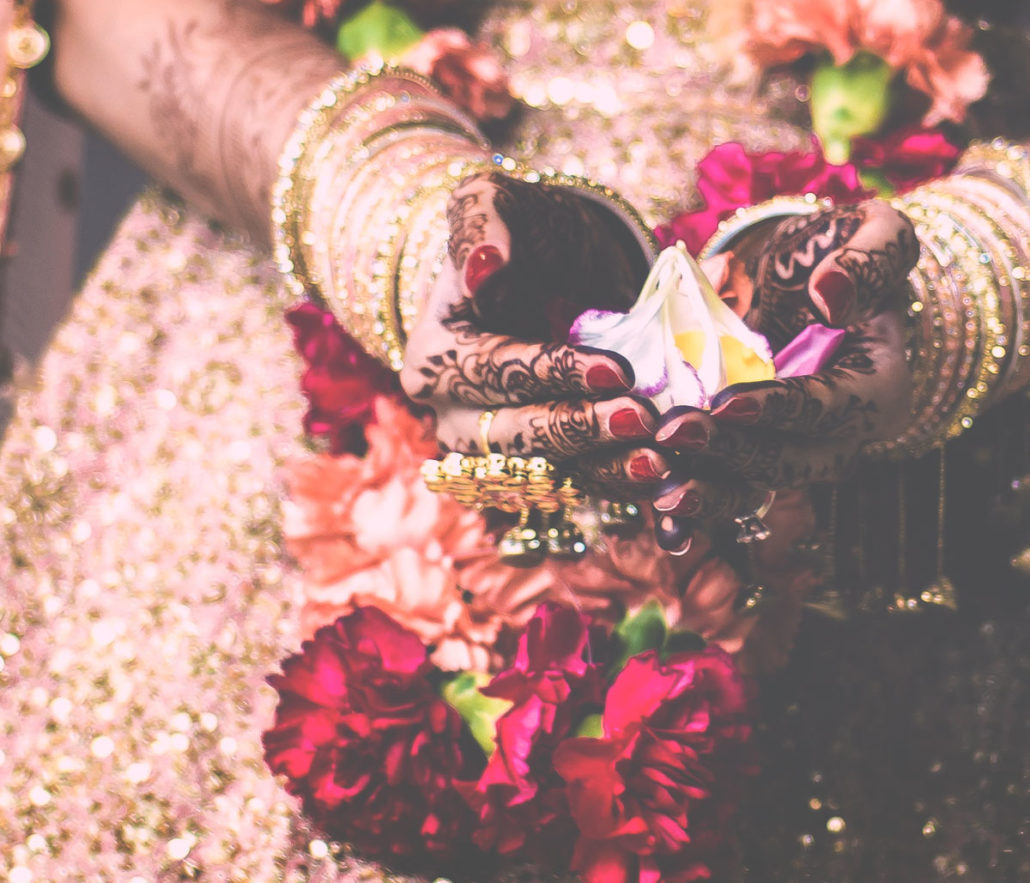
(146, 595)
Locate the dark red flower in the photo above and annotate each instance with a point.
(340, 379)
(653, 797)
(470, 74)
(907, 157)
(310, 12)
(730, 177)
(366, 743)
(555, 681)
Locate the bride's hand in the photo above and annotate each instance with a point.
(472, 349)
(845, 267)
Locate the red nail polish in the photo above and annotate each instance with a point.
(604, 379)
(690, 435)
(689, 505)
(642, 469)
(834, 296)
(627, 424)
(739, 410)
(482, 263)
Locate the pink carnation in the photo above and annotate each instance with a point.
(729, 177)
(519, 801)
(366, 530)
(914, 36)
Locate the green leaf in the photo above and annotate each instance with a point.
(848, 100)
(683, 642)
(478, 711)
(645, 631)
(380, 29)
(592, 727)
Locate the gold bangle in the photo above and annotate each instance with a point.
(743, 219)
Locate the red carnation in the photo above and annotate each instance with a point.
(907, 157)
(340, 379)
(555, 681)
(652, 798)
(367, 744)
(470, 74)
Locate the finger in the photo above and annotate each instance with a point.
(707, 499)
(674, 535)
(798, 245)
(558, 430)
(473, 221)
(866, 393)
(866, 274)
(621, 474)
(490, 370)
(770, 460)
(684, 428)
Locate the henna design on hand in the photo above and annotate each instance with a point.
(877, 271)
(467, 222)
(567, 429)
(498, 373)
(783, 269)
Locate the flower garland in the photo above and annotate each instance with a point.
(615, 768)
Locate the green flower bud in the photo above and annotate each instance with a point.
(849, 100)
(379, 29)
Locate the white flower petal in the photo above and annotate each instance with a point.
(678, 311)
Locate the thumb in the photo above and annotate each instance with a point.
(865, 275)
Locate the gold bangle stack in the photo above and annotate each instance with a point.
(359, 207)
(972, 344)
(970, 307)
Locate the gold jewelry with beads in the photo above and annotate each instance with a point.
(26, 46)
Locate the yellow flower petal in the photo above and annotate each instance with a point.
(743, 364)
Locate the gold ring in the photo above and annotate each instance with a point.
(485, 420)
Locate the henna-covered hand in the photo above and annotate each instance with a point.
(474, 348)
(840, 266)
(845, 267)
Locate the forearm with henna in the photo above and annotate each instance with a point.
(202, 93)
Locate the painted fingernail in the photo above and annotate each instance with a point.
(643, 469)
(834, 295)
(688, 434)
(674, 535)
(740, 410)
(482, 263)
(605, 379)
(689, 505)
(627, 424)
(668, 499)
